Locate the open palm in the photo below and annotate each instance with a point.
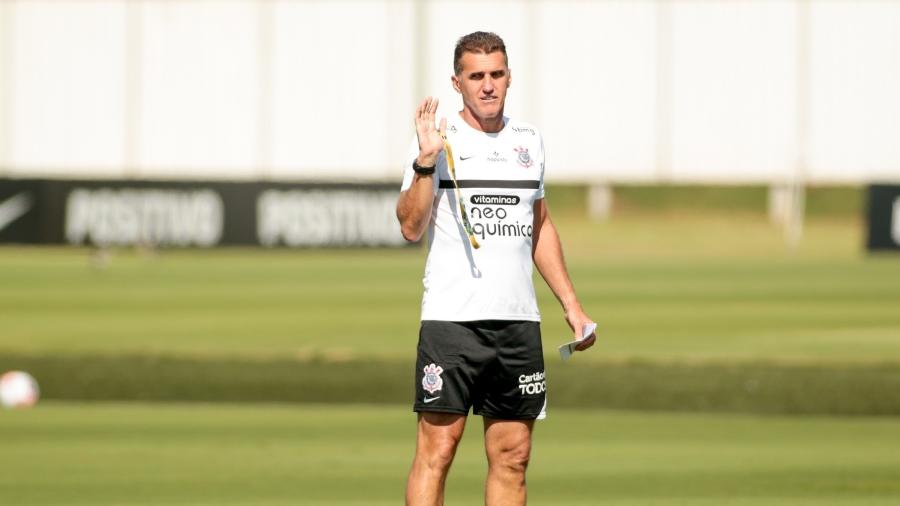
(430, 137)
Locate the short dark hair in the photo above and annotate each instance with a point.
(477, 42)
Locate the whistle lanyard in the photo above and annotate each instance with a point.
(462, 206)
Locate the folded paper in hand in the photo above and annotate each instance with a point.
(566, 350)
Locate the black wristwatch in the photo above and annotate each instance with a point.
(422, 171)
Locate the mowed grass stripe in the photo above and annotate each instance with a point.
(136, 454)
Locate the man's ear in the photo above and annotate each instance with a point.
(455, 80)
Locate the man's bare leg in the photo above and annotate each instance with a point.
(438, 436)
(508, 447)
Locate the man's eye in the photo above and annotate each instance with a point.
(477, 76)
(498, 74)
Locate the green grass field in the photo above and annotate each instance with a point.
(138, 454)
(696, 311)
(683, 287)
(700, 308)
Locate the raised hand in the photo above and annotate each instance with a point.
(430, 141)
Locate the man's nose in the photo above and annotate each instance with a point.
(488, 86)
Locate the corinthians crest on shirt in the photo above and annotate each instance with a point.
(432, 381)
(524, 157)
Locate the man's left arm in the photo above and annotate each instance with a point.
(546, 250)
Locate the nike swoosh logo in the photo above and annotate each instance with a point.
(431, 399)
(463, 158)
(14, 208)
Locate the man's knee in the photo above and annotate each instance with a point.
(439, 454)
(510, 458)
(438, 438)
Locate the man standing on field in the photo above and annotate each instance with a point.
(483, 205)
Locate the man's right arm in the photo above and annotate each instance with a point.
(414, 207)
(414, 204)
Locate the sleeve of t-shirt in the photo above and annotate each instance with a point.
(541, 159)
(408, 173)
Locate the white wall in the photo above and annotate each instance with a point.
(65, 88)
(855, 113)
(639, 90)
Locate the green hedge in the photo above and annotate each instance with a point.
(757, 387)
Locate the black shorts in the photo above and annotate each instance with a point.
(495, 367)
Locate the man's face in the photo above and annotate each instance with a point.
(483, 83)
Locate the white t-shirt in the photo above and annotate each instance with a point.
(500, 175)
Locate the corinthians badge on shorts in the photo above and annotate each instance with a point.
(524, 157)
(432, 381)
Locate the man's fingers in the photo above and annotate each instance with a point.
(443, 128)
(425, 114)
(420, 111)
(428, 117)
